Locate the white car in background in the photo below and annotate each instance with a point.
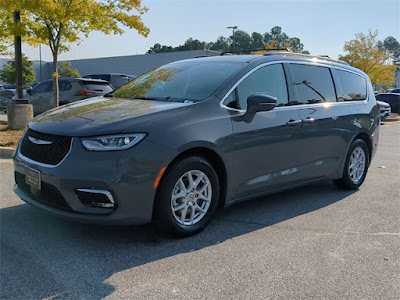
(385, 109)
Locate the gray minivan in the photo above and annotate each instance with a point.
(185, 139)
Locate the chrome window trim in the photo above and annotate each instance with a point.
(309, 63)
(34, 162)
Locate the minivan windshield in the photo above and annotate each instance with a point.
(180, 81)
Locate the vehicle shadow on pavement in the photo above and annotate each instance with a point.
(43, 256)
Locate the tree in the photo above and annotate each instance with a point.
(222, 44)
(257, 41)
(66, 70)
(191, 44)
(8, 73)
(393, 47)
(364, 53)
(278, 39)
(157, 48)
(242, 40)
(61, 22)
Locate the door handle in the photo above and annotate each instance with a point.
(308, 120)
(293, 123)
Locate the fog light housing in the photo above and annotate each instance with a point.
(95, 198)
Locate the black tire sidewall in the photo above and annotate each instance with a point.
(164, 218)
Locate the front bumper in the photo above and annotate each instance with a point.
(128, 175)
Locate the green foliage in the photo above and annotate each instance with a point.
(66, 70)
(8, 73)
(243, 41)
(58, 23)
(365, 53)
(392, 48)
(278, 39)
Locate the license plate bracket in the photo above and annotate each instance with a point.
(33, 178)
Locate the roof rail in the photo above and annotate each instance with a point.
(326, 57)
(250, 51)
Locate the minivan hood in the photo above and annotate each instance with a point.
(98, 116)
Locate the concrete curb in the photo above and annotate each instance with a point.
(6, 152)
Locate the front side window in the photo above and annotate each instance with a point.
(193, 81)
(312, 84)
(269, 80)
(349, 86)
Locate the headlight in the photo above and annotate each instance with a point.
(112, 142)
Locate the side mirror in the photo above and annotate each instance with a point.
(29, 91)
(256, 103)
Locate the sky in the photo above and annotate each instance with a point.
(322, 25)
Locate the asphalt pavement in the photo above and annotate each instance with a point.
(315, 242)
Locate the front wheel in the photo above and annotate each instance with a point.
(356, 166)
(187, 197)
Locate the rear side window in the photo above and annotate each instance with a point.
(349, 86)
(64, 85)
(312, 84)
(98, 87)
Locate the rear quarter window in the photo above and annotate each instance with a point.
(349, 86)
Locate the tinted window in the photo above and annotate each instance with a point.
(44, 87)
(312, 84)
(349, 86)
(98, 87)
(268, 80)
(64, 85)
(99, 76)
(193, 80)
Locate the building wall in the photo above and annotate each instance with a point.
(130, 64)
(133, 64)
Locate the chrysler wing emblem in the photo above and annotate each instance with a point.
(39, 142)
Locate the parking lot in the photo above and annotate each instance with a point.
(315, 242)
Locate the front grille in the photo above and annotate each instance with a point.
(51, 154)
(48, 194)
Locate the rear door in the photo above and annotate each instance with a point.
(322, 138)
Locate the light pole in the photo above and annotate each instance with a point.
(233, 33)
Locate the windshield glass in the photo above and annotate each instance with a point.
(180, 81)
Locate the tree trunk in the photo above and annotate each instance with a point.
(55, 81)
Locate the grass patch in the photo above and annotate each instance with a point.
(8, 137)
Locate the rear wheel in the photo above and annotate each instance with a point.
(187, 197)
(356, 166)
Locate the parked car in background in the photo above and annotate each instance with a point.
(185, 139)
(384, 109)
(116, 80)
(397, 91)
(5, 98)
(71, 90)
(393, 99)
(1, 87)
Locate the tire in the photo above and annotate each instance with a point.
(182, 208)
(356, 166)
